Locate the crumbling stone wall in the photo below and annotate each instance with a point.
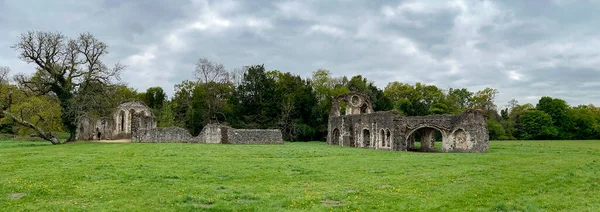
(211, 133)
(118, 126)
(466, 132)
(254, 136)
(161, 135)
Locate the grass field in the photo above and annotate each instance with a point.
(513, 176)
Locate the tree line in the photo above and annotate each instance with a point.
(71, 80)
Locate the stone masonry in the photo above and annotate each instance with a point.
(357, 125)
(118, 126)
(211, 133)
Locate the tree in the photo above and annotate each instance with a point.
(255, 99)
(155, 98)
(460, 98)
(181, 102)
(166, 117)
(535, 124)
(484, 100)
(207, 71)
(67, 69)
(4, 71)
(558, 109)
(297, 106)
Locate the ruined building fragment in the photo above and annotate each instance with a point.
(117, 126)
(353, 123)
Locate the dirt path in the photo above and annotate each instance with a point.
(113, 141)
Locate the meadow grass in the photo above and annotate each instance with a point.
(311, 176)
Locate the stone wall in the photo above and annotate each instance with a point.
(466, 132)
(254, 136)
(161, 135)
(211, 133)
(118, 126)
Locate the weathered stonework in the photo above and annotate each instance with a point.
(118, 126)
(211, 133)
(161, 135)
(359, 126)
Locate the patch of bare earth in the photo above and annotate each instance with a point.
(332, 203)
(16, 195)
(113, 141)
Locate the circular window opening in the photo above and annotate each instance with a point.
(354, 100)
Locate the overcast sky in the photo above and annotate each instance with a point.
(525, 49)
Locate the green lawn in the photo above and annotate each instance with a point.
(513, 176)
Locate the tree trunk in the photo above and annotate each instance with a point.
(40, 131)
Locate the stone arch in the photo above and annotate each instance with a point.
(366, 138)
(427, 137)
(336, 136)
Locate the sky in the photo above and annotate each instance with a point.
(524, 49)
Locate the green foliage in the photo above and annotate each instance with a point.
(256, 99)
(535, 124)
(558, 110)
(41, 110)
(166, 116)
(155, 98)
(496, 130)
(302, 176)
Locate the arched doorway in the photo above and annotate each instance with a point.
(424, 139)
(336, 137)
(366, 138)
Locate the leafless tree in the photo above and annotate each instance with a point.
(4, 71)
(66, 68)
(207, 71)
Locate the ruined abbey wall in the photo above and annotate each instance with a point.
(118, 126)
(359, 126)
(211, 133)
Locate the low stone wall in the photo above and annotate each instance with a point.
(211, 133)
(160, 135)
(255, 136)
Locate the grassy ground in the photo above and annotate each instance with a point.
(513, 176)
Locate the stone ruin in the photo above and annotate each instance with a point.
(134, 120)
(353, 123)
(211, 133)
(119, 125)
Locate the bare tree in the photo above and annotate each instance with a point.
(237, 76)
(4, 71)
(207, 71)
(66, 68)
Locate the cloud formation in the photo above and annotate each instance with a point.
(525, 49)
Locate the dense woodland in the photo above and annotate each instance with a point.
(71, 80)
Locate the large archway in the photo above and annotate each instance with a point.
(425, 139)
